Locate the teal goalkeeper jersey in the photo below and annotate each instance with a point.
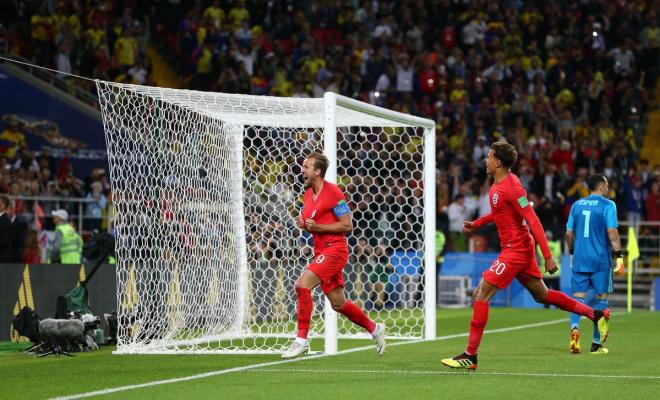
(590, 218)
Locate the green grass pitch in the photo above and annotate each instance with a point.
(527, 362)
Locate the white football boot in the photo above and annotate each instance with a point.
(296, 350)
(380, 339)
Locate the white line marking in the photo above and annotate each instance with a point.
(525, 374)
(272, 363)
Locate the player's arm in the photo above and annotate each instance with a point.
(615, 241)
(300, 222)
(570, 241)
(613, 235)
(525, 210)
(570, 234)
(469, 227)
(344, 225)
(343, 214)
(617, 252)
(537, 230)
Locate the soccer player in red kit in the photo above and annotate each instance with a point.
(515, 218)
(327, 217)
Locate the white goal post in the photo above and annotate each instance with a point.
(206, 187)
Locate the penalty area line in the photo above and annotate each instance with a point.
(282, 362)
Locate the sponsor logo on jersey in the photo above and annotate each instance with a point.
(523, 202)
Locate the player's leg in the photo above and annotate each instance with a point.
(331, 271)
(350, 309)
(304, 285)
(574, 345)
(602, 283)
(481, 309)
(580, 284)
(600, 302)
(542, 295)
(355, 314)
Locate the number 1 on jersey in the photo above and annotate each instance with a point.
(587, 214)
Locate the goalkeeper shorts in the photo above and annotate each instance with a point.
(599, 281)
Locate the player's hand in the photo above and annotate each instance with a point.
(300, 223)
(311, 225)
(550, 265)
(468, 227)
(619, 269)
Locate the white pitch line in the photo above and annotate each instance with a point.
(403, 372)
(272, 363)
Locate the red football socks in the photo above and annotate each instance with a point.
(566, 303)
(477, 326)
(357, 316)
(305, 306)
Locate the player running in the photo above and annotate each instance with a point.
(514, 218)
(592, 238)
(327, 216)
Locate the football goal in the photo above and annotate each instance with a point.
(206, 188)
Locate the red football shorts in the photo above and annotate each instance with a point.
(329, 267)
(509, 266)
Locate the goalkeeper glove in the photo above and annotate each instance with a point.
(619, 269)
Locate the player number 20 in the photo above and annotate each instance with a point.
(498, 267)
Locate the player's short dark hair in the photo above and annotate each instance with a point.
(505, 152)
(320, 162)
(595, 180)
(5, 200)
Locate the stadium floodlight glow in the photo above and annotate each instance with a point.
(205, 189)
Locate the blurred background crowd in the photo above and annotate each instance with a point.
(570, 83)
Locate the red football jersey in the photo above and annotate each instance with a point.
(326, 209)
(507, 201)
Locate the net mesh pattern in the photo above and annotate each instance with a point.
(206, 188)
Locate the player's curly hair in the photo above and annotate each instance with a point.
(320, 162)
(505, 152)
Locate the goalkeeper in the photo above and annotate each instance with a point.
(327, 217)
(593, 239)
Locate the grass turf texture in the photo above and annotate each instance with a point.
(507, 362)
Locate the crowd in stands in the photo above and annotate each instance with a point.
(569, 83)
(25, 174)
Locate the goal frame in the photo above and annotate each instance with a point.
(331, 101)
(329, 117)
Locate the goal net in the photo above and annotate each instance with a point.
(206, 187)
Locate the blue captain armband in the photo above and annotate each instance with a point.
(341, 208)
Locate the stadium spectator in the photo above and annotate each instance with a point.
(569, 84)
(458, 213)
(32, 254)
(67, 244)
(6, 241)
(653, 202)
(95, 206)
(12, 139)
(634, 198)
(18, 233)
